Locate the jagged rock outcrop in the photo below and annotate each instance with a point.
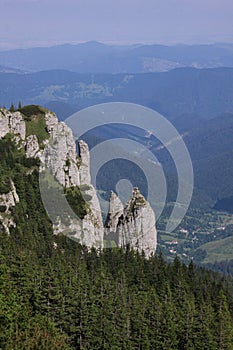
(51, 121)
(17, 125)
(60, 155)
(32, 146)
(71, 170)
(7, 201)
(85, 231)
(85, 228)
(4, 123)
(84, 168)
(134, 225)
(116, 210)
(12, 122)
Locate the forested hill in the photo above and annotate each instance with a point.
(181, 95)
(55, 294)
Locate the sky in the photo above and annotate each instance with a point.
(30, 23)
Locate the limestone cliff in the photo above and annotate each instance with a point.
(133, 225)
(60, 155)
(7, 202)
(57, 153)
(116, 210)
(84, 167)
(72, 170)
(32, 146)
(52, 142)
(12, 122)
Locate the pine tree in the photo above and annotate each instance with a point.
(12, 108)
(224, 324)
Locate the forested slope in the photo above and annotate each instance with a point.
(59, 296)
(55, 294)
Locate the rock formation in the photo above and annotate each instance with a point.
(116, 210)
(133, 225)
(60, 154)
(84, 167)
(32, 146)
(70, 170)
(12, 122)
(8, 201)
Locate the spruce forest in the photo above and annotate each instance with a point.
(56, 294)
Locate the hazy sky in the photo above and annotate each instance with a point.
(43, 22)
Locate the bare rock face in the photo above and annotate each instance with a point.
(87, 228)
(51, 121)
(85, 231)
(70, 170)
(116, 211)
(4, 123)
(61, 157)
(12, 122)
(32, 146)
(135, 225)
(60, 154)
(84, 168)
(95, 211)
(92, 231)
(7, 201)
(17, 125)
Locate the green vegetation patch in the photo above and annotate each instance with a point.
(2, 208)
(77, 202)
(110, 244)
(34, 117)
(30, 110)
(9, 157)
(5, 183)
(218, 250)
(140, 201)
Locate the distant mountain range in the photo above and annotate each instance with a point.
(201, 92)
(95, 57)
(210, 145)
(4, 69)
(197, 101)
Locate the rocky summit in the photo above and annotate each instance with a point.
(133, 224)
(38, 133)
